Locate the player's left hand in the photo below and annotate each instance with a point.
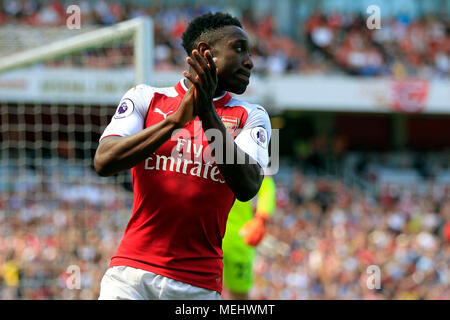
(253, 231)
(205, 82)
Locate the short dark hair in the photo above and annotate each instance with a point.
(203, 24)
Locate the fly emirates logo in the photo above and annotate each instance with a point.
(187, 157)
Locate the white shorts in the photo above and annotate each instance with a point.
(127, 283)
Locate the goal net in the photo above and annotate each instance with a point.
(59, 221)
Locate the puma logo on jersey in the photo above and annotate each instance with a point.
(157, 110)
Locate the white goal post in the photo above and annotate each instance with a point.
(141, 29)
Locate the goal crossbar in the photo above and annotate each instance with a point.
(141, 29)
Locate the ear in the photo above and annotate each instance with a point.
(202, 46)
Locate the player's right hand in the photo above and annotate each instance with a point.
(205, 81)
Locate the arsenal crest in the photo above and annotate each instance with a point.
(230, 122)
(409, 95)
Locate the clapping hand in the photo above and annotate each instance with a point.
(205, 82)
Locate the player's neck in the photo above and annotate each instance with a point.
(219, 92)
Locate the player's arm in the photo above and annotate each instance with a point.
(116, 153)
(243, 179)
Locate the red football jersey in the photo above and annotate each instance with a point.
(181, 201)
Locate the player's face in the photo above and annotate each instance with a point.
(234, 63)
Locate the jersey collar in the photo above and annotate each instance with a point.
(181, 88)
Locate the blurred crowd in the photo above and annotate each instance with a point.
(401, 47)
(59, 229)
(64, 221)
(335, 223)
(337, 238)
(327, 43)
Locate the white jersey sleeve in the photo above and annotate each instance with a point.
(130, 113)
(255, 135)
